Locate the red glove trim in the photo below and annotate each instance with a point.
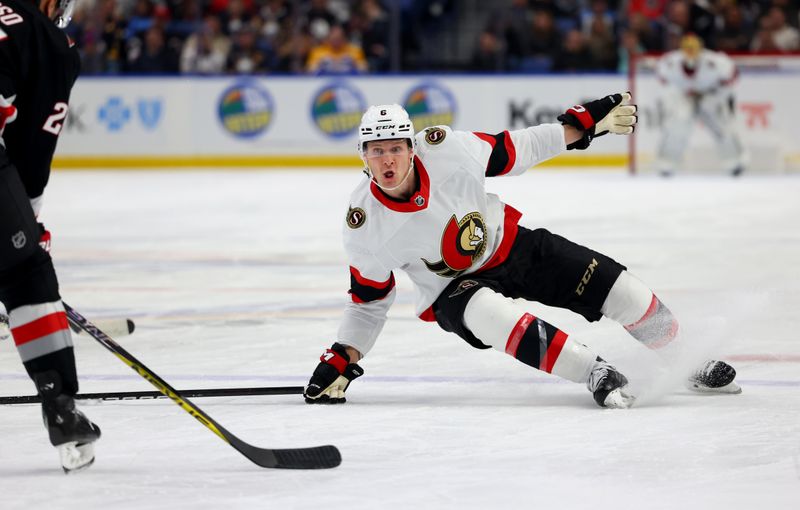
(583, 116)
(334, 359)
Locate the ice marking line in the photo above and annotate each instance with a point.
(192, 263)
(321, 310)
(780, 358)
(233, 290)
(388, 379)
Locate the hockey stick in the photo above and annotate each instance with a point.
(112, 327)
(142, 395)
(317, 457)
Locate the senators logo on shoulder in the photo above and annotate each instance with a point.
(434, 136)
(463, 242)
(355, 217)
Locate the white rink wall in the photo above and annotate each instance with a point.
(312, 121)
(308, 121)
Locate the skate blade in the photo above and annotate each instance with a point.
(731, 388)
(75, 457)
(619, 399)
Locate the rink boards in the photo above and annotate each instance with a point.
(312, 121)
(306, 121)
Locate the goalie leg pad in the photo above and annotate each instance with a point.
(678, 122)
(722, 126)
(500, 322)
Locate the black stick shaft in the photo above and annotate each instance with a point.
(318, 457)
(193, 393)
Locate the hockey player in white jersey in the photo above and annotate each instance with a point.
(698, 86)
(423, 208)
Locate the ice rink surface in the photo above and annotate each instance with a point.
(238, 279)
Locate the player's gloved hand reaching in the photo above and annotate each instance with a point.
(611, 114)
(332, 377)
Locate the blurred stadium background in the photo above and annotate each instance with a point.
(262, 83)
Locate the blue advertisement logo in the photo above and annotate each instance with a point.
(149, 112)
(430, 104)
(115, 114)
(245, 110)
(337, 109)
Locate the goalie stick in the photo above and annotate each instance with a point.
(143, 395)
(318, 457)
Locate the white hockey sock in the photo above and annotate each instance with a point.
(505, 325)
(631, 303)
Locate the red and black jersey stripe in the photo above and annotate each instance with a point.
(503, 155)
(364, 290)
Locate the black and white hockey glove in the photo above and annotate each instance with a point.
(612, 114)
(332, 377)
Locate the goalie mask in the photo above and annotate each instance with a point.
(384, 122)
(691, 46)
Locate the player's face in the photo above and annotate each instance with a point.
(389, 161)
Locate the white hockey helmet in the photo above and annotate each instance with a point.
(385, 122)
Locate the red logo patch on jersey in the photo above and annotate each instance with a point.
(463, 242)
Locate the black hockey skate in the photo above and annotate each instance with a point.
(609, 387)
(714, 377)
(70, 430)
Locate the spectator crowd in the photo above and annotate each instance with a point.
(359, 36)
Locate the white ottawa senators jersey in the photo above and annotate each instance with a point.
(449, 227)
(711, 71)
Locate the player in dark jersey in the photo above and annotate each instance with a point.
(38, 66)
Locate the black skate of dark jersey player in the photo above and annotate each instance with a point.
(38, 67)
